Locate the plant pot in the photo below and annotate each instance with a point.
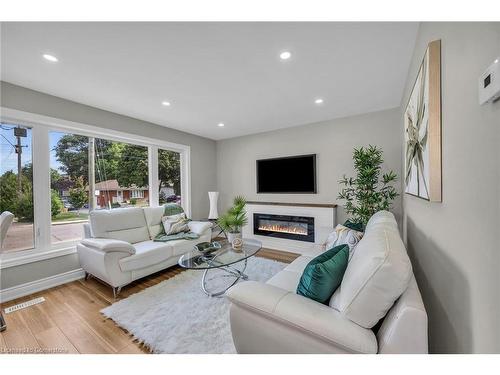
(231, 237)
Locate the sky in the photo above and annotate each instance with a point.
(8, 156)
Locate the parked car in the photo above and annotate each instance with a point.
(66, 204)
(173, 198)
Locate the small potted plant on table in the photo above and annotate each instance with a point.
(233, 221)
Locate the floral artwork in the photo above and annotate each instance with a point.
(423, 134)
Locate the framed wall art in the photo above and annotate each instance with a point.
(422, 124)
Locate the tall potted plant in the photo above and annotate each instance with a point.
(369, 191)
(234, 219)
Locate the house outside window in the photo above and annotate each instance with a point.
(137, 194)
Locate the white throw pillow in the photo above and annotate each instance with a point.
(343, 235)
(376, 276)
(175, 224)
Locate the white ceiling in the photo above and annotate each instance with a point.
(215, 72)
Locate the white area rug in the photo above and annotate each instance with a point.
(175, 316)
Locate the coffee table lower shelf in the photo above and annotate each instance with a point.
(230, 272)
(224, 263)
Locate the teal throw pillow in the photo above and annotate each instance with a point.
(323, 275)
(359, 227)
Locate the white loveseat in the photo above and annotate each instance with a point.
(118, 248)
(378, 285)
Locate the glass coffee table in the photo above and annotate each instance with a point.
(223, 268)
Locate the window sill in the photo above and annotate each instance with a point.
(30, 256)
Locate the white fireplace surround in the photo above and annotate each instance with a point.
(324, 221)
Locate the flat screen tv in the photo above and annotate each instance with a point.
(288, 175)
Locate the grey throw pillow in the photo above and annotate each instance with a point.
(343, 235)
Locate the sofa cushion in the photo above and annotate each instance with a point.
(377, 274)
(323, 275)
(183, 246)
(286, 279)
(289, 277)
(147, 253)
(126, 224)
(299, 264)
(153, 217)
(381, 218)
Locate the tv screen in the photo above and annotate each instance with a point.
(294, 174)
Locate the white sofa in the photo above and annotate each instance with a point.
(118, 248)
(378, 285)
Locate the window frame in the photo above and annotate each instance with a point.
(41, 126)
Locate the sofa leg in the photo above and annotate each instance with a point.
(87, 275)
(3, 325)
(116, 291)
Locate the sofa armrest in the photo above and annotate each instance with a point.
(87, 231)
(199, 227)
(303, 314)
(109, 245)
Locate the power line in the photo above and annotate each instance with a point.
(4, 137)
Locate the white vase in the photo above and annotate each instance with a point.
(231, 237)
(213, 196)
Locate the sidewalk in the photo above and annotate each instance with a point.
(20, 235)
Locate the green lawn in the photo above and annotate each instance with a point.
(69, 216)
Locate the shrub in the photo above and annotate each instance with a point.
(24, 210)
(78, 195)
(133, 201)
(8, 192)
(56, 204)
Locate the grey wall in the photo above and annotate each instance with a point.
(203, 160)
(454, 245)
(333, 142)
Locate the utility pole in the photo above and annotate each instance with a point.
(18, 133)
(91, 163)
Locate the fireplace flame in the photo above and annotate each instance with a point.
(283, 229)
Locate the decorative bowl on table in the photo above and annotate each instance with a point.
(207, 248)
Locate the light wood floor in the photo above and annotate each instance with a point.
(69, 320)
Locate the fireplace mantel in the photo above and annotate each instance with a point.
(319, 205)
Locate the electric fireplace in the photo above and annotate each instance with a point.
(299, 228)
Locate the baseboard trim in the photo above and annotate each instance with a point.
(39, 285)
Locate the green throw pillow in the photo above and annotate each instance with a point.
(354, 226)
(323, 275)
(172, 209)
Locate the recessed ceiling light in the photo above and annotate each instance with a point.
(285, 55)
(496, 61)
(319, 101)
(50, 58)
(165, 103)
(220, 124)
